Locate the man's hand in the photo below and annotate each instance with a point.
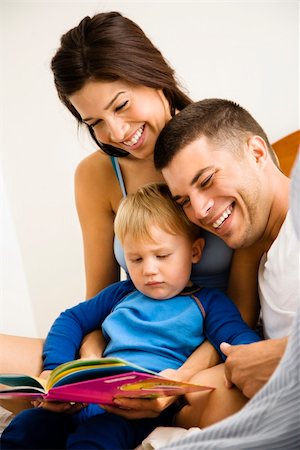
(250, 366)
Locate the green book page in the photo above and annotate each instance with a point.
(21, 380)
(84, 369)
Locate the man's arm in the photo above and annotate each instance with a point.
(250, 366)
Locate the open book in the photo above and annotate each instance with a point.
(94, 381)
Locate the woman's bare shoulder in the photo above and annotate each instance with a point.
(96, 163)
(95, 180)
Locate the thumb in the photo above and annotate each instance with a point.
(225, 348)
(170, 373)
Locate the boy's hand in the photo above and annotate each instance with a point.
(59, 407)
(136, 408)
(66, 407)
(132, 408)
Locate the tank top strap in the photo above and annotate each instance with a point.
(117, 169)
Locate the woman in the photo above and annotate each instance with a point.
(118, 85)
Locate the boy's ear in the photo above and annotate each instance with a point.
(197, 249)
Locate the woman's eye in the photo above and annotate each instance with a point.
(118, 108)
(207, 180)
(97, 122)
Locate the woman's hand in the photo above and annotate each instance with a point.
(92, 345)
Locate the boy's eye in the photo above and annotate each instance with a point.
(163, 256)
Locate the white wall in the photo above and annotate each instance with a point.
(245, 51)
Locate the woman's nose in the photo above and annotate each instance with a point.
(117, 129)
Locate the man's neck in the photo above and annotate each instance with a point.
(279, 209)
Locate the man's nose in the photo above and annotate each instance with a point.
(201, 204)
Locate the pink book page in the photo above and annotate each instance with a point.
(132, 384)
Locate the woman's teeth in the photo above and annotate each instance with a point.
(224, 216)
(135, 137)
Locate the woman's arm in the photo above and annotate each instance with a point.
(20, 355)
(97, 195)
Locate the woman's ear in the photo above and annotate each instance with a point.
(197, 249)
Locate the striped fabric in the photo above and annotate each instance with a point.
(271, 419)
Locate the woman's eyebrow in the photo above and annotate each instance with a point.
(86, 119)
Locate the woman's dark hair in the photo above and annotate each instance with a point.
(110, 47)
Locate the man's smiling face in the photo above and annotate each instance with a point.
(219, 190)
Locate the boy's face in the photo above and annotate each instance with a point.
(161, 268)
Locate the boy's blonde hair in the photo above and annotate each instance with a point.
(152, 204)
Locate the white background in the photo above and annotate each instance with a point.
(244, 51)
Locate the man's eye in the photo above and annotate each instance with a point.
(207, 180)
(118, 108)
(185, 203)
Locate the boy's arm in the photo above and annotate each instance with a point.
(64, 338)
(223, 321)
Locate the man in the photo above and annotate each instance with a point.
(221, 169)
(271, 419)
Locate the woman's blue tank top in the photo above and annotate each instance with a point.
(213, 269)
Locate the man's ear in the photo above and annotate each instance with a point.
(258, 149)
(197, 250)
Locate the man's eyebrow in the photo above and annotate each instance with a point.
(194, 180)
(199, 174)
(86, 119)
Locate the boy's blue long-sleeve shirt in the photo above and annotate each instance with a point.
(155, 334)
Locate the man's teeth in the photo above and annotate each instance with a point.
(224, 216)
(135, 137)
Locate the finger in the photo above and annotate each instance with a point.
(171, 374)
(129, 413)
(35, 403)
(74, 407)
(138, 404)
(227, 382)
(225, 348)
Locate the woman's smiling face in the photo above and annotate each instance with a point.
(123, 115)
